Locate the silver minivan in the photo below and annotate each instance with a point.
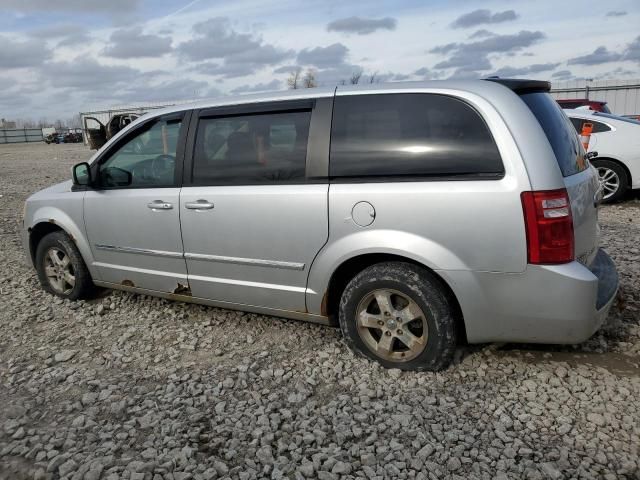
(413, 215)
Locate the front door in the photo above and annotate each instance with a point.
(132, 215)
(252, 222)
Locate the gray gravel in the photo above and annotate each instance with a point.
(134, 387)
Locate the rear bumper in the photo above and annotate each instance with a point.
(605, 271)
(557, 304)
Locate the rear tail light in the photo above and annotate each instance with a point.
(549, 227)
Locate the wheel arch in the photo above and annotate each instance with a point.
(38, 232)
(47, 220)
(354, 265)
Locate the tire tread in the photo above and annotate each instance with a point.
(425, 288)
(84, 287)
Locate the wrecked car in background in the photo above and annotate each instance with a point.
(98, 135)
(71, 136)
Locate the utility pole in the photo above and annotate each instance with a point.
(586, 88)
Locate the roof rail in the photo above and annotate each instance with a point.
(521, 86)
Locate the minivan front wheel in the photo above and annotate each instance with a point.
(613, 180)
(398, 314)
(61, 269)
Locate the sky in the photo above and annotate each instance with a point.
(60, 58)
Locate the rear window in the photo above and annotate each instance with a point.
(410, 135)
(605, 109)
(571, 104)
(559, 131)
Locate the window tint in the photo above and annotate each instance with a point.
(409, 134)
(559, 131)
(147, 159)
(250, 149)
(577, 124)
(599, 127)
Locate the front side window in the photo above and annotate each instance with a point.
(146, 159)
(251, 149)
(410, 135)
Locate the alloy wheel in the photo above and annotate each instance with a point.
(609, 180)
(59, 270)
(392, 325)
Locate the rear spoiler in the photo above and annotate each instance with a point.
(521, 86)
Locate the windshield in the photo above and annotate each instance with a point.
(559, 131)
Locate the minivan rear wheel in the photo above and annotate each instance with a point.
(61, 269)
(398, 314)
(613, 180)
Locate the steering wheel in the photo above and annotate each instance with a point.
(162, 166)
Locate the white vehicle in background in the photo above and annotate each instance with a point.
(617, 141)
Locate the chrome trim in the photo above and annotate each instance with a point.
(139, 251)
(246, 283)
(256, 262)
(208, 258)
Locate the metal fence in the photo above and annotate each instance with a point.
(622, 96)
(21, 135)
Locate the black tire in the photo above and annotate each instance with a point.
(60, 242)
(623, 178)
(418, 285)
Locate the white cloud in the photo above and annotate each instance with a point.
(362, 26)
(132, 43)
(254, 44)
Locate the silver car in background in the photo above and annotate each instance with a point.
(413, 215)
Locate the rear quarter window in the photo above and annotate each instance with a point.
(598, 127)
(559, 131)
(410, 135)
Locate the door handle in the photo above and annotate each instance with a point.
(159, 205)
(199, 205)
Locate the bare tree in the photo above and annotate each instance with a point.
(355, 77)
(74, 122)
(373, 78)
(309, 80)
(293, 82)
(24, 123)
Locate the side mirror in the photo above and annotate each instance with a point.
(81, 174)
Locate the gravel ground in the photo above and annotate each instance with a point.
(134, 387)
